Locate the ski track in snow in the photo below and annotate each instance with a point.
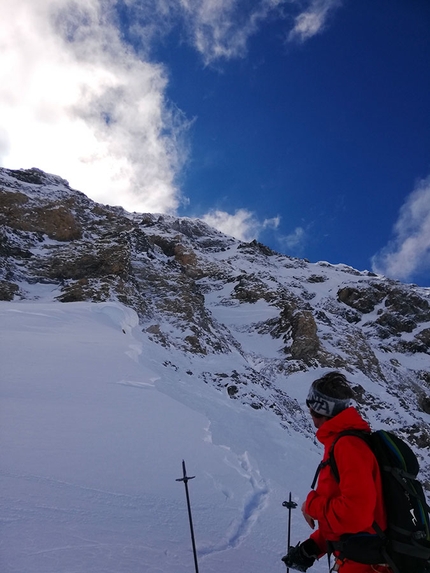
(64, 484)
(253, 503)
(134, 384)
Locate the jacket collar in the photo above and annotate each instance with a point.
(345, 420)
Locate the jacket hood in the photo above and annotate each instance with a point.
(346, 420)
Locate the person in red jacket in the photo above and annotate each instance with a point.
(352, 504)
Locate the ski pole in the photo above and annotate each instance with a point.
(289, 505)
(186, 479)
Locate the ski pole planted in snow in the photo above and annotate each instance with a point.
(289, 505)
(186, 479)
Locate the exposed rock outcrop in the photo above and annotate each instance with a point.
(208, 294)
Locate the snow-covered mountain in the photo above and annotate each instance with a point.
(176, 342)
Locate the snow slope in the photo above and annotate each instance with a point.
(99, 407)
(94, 426)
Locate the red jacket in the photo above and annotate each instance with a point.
(356, 502)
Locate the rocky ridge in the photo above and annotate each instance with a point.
(205, 293)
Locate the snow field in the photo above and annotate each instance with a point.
(94, 428)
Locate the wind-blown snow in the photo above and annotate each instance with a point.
(94, 426)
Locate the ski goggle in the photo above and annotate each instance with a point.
(313, 413)
(325, 406)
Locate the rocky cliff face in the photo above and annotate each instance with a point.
(205, 293)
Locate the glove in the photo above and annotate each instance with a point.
(302, 556)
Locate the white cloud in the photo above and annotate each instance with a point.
(74, 100)
(409, 252)
(294, 240)
(242, 225)
(245, 226)
(312, 21)
(77, 100)
(221, 28)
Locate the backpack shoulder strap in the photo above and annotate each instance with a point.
(330, 461)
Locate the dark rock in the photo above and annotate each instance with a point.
(35, 176)
(8, 290)
(232, 390)
(363, 300)
(317, 279)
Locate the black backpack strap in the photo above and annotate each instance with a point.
(321, 465)
(384, 544)
(402, 477)
(330, 461)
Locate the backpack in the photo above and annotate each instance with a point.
(405, 544)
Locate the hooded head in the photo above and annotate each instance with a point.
(329, 395)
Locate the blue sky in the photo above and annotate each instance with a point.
(303, 124)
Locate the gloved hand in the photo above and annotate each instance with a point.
(302, 556)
